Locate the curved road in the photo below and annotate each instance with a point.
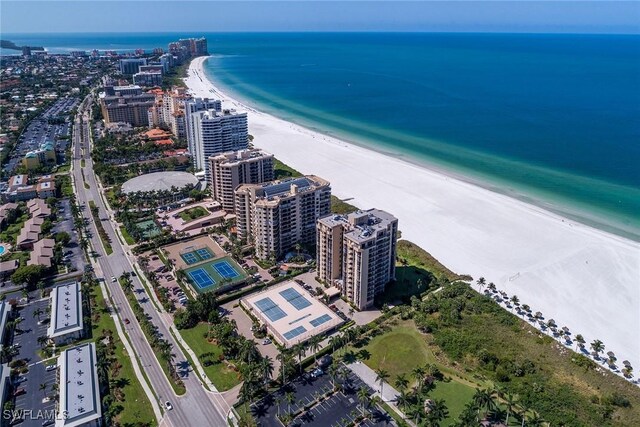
(198, 406)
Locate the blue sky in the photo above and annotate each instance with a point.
(26, 16)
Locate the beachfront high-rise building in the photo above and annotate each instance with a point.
(229, 170)
(212, 132)
(358, 252)
(276, 216)
(193, 106)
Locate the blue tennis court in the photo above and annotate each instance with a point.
(270, 309)
(294, 332)
(204, 253)
(201, 278)
(295, 298)
(190, 258)
(225, 269)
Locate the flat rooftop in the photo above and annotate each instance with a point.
(4, 312)
(66, 310)
(291, 313)
(79, 386)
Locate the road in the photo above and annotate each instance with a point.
(198, 406)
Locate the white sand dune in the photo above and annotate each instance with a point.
(584, 278)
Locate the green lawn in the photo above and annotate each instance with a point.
(456, 395)
(413, 255)
(136, 406)
(282, 171)
(10, 234)
(398, 351)
(193, 213)
(221, 376)
(127, 236)
(410, 280)
(340, 207)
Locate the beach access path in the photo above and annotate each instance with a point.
(584, 278)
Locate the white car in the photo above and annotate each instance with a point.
(168, 405)
(113, 279)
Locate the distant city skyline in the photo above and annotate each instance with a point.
(622, 17)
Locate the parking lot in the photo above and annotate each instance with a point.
(52, 125)
(72, 252)
(340, 407)
(33, 387)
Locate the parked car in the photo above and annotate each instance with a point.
(316, 373)
(51, 367)
(266, 341)
(19, 391)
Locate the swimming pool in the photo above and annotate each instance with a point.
(3, 249)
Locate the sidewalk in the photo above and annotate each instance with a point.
(368, 375)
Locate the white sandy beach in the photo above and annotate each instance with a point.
(585, 279)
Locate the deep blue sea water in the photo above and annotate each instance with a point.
(554, 119)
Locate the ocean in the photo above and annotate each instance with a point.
(550, 119)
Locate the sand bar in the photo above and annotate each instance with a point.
(584, 278)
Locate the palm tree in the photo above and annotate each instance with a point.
(627, 371)
(598, 347)
(483, 398)
(535, 421)
(333, 373)
(43, 388)
(481, 282)
(335, 341)
(437, 412)
(515, 300)
(314, 346)
(510, 402)
(363, 397)
(299, 350)
(266, 366)
(37, 313)
(418, 374)
(290, 398)
(401, 382)
(579, 341)
(492, 287)
(402, 399)
(381, 377)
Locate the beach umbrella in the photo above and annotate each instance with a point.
(538, 314)
(626, 363)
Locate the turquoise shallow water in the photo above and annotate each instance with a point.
(552, 119)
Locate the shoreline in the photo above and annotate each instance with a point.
(558, 266)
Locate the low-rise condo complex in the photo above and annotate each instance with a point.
(66, 322)
(357, 252)
(79, 387)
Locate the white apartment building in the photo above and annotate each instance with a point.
(231, 169)
(357, 252)
(216, 132)
(274, 217)
(193, 106)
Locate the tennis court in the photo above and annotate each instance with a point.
(225, 269)
(201, 278)
(196, 256)
(206, 276)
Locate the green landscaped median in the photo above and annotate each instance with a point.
(137, 410)
(223, 377)
(127, 236)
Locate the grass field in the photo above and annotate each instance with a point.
(398, 351)
(405, 348)
(340, 207)
(414, 255)
(127, 236)
(282, 171)
(13, 230)
(221, 376)
(193, 213)
(137, 408)
(456, 395)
